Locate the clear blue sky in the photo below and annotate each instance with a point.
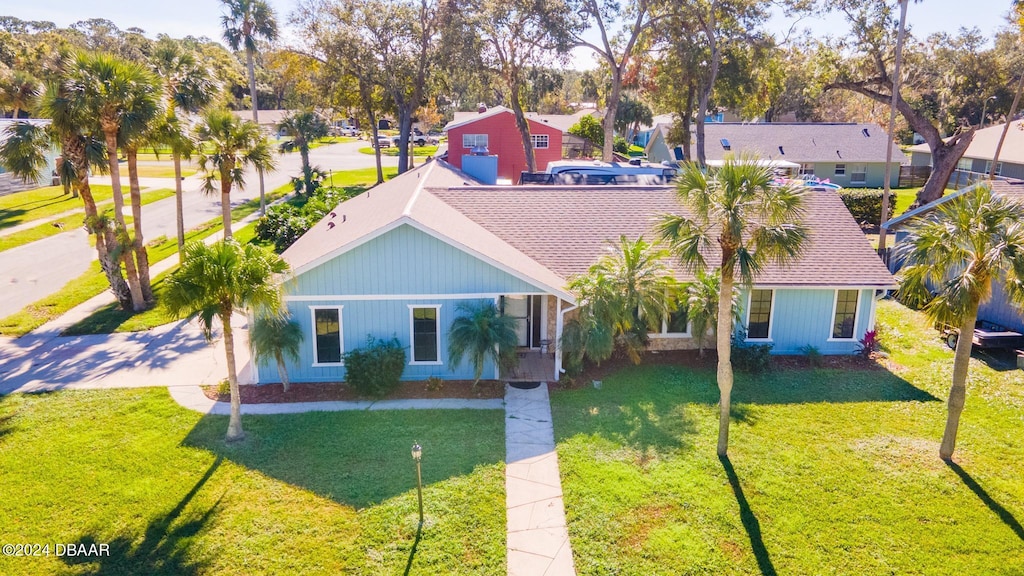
(202, 17)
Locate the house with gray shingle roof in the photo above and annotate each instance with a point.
(851, 155)
(978, 156)
(399, 259)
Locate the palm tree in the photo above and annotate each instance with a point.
(1017, 15)
(482, 332)
(275, 337)
(305, 127)
(214, 282)
(19, 91)
(229, 146)
(959, 250)
(187, 88)
(109, 88)
(738, 210)
(23, 151)
(245, 24)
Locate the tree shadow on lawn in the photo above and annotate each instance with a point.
(11, 217)
(749, 520)
(1005, 515)
(163, 550)
(359, 458)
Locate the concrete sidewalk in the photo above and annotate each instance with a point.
(538, 539)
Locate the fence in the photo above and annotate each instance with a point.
(914, 176)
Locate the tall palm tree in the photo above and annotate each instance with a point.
(109, 87)
(215, 282)
(245, 24)
(19, 91)
(743, 222)
(482, 332)
(229, 146)
(958, 250)
(701, 297)
(1017, 15)
(275, 337)
(188, 88)
(305, 127)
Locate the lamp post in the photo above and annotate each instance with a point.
(417, 454)
(984, 107)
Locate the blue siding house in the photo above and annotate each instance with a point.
(400, 259)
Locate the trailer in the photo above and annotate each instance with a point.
(987, 335)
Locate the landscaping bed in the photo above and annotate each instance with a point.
(328, 391)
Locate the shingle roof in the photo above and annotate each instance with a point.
(983, 146)
(798, 142)
(559, 121)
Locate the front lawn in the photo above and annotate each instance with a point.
(317, 493)
(42, 202)
(830, 472)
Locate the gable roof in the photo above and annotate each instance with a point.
(983, 146)
(560, 122)
(796, 142)
(1012, 190)
(546, 234)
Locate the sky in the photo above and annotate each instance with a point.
(202, 17)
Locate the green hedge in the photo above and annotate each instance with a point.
(866, 204)
(375, 369)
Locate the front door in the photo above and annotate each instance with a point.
(527, 312)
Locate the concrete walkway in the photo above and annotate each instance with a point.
(192, 397)
(538, 540)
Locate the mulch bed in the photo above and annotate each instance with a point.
(320, 392)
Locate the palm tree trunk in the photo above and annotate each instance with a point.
(282, 370)
(225, 200)
(255, 117)
(179, 205)
(1006, 127)
(138, 246)
(104, 237)
(138, 301)
(235, 421)
(958, 390)
(724, 337)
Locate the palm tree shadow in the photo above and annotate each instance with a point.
(749, 519)
(162, 551)
(1005, 515)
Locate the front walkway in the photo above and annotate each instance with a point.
(538, 540)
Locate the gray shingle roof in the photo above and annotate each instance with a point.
(800, 142)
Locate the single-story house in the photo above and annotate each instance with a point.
(851, 155)
(997, 308)
(979, 155)
(399, 259)
(8, 182)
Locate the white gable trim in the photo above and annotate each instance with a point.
(349, 246)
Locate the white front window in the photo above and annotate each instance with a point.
(760, 308)
(858, 173)
(474, 140)
(328, 338)
(844, 314)
(965, 164)
(807, 169)
(425, 334)
(676, 325)
(539, 141)
(840, 169)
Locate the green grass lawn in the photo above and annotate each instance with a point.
(317, 493)
(830, 472)
(418, 151)
(54, 227)
(31, 205)
(149, 171)
(358, 177)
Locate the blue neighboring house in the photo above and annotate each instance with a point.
(399, 259)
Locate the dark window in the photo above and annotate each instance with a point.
(328, 336)
(760, 314)
(677, 322)
(846, 314)
(424, 335)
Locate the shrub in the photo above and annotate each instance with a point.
(283, 224)
(751, 357)
(814, 357)
(375, 369)
(865, 205)
(590, 128)
(620, 145)
(434, 384)
(868, 343)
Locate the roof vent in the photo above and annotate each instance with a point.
(781, 151)
(838, 154)
(865, 132)
(481, 108)
(725, 144)
(330, 225)
(333, 214)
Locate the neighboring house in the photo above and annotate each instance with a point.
(851, 155)
(978, 157)
(269, 119)
(997, 308)
(10, 184)
(493, 132)
(399, 259)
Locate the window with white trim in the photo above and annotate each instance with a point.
(999, 167)
(539, 141)
(807, 169)
(759, 315)
(858, 173)
(676, 324)
(425, 334)
(328, 341)
(474, 140)
(845, 318)
(965, 164)
(840, 169)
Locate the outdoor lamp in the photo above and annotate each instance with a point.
(417, 453)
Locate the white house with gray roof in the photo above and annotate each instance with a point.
(851, 155)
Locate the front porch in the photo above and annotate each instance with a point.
(533, 366)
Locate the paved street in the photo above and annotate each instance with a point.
(35, 270)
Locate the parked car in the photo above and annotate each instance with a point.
(383, 142)
(418, 138)
(351, 131)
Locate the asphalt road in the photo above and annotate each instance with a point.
(33, 271)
